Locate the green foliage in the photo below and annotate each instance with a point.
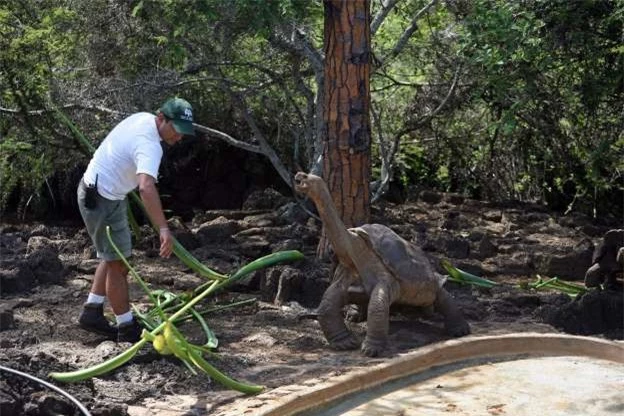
(34, 46)
(540, 117)
(534, 114)
(35, 42)
(257, 16)
(17, 157)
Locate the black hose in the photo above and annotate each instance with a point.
(50, 386)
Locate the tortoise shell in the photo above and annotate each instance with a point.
(407, 262)
(608, 247)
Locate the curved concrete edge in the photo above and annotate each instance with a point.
(290, 400)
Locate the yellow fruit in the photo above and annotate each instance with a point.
(160, 345)
(174, 344)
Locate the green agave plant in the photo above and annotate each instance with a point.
(463, 277)
(190, 354)
(556, 284)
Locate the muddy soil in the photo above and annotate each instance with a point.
(274, 340)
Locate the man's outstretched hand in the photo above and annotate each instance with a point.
(166, 242)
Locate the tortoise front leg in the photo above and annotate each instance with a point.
(454, 322)
(594, 276)
(379, 317)
(330, 312)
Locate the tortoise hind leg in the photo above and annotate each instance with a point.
(358, 300)
(330, 312)
(454, 322)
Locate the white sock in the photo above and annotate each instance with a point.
(124, 317)
(93, 298)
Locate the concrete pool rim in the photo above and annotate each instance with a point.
(308, 397)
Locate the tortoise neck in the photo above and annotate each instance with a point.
(335, 229)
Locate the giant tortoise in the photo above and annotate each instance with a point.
(383, 266)
(607, 261)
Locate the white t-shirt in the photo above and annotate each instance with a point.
(132, 147)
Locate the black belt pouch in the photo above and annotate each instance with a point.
(91, 194)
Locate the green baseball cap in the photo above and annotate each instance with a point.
(180, 112)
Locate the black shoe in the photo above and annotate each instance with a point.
(129, 332)
(92, 319)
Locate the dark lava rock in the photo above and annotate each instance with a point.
(595, 312)
(6, 318)
(16, 278)
(46, 266)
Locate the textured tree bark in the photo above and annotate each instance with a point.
(347, 133)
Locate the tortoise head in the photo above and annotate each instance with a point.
(309, 184)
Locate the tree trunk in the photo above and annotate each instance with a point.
(347, 133)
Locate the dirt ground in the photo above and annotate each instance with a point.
(46, 271)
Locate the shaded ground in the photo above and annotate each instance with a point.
(46, 271)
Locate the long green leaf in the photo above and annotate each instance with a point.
(461, 276)
(211, 339)
(219, 308)
(218, 376)
(181, 253)
(557, 284)
(134, 225)
(266, 261)
(102, 368)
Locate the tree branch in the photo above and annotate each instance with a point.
(384, 180)
(409, 31)
(380, 16)
(299, 44)
(440, 106)
(263, 145)
(228, 139)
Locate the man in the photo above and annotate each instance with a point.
(129, 157)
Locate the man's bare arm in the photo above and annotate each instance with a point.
(153, 206)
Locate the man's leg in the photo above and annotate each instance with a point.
(92, 316)
(128, 329)
(117, 287)
(110, 275)
(98, 287)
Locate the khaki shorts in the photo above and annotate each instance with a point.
(106, 213)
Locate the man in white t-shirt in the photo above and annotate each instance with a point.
(128, 158)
